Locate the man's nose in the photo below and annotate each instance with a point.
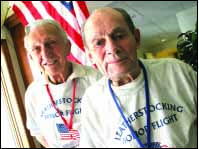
(45, 51)
(111, 46)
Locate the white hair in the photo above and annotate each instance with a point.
(42, 22)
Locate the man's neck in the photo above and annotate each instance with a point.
(126, 78)
(62, 77)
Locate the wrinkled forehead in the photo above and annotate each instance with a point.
(102, 17)
(103, 21)
(102, 14)
(42, 34)
(47, 28)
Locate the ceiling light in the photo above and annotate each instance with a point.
(163, 40)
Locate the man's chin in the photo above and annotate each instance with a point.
(115, 77)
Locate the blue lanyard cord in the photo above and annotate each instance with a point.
(148, 119)
(147, 109)
(120, 110)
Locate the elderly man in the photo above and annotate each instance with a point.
(138, 103)
(53, 104)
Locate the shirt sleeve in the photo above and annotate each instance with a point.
(31, 113)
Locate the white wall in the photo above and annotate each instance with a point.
(187, 19)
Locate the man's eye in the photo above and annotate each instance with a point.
(118, 36)
(99, 43)
(50, 44)
(35, 49)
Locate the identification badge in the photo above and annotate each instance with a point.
(67, 134)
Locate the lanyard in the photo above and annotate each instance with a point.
(69, 126)
(147, 109)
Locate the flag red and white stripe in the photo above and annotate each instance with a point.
(70, 14)
(70, 135)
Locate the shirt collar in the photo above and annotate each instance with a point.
(78, 71)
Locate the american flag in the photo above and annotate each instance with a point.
(66, 134)
(70, 14)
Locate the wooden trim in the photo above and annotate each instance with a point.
(11, 21)
(17, 32)
(13, 100)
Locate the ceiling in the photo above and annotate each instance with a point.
(157, 20)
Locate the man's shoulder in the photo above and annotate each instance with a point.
(35, 85)
(164, 62)
(169, 67)
(99, 85)
(87, 71)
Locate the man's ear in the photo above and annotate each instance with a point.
(137, 37)
(90, 56)
(30, 56)
(68, 47)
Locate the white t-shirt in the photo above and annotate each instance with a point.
(173, 109)
(42, 118)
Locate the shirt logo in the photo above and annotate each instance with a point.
(66, 134)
